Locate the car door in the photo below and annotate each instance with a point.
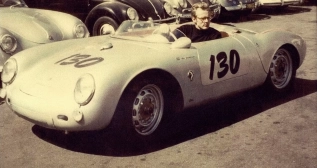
(225, 65)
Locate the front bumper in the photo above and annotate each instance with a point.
(53, 108)
(49, 113)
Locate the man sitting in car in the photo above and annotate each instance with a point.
(200, 30)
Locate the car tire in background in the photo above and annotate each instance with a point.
(104, 26)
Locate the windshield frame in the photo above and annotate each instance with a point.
(148, 31)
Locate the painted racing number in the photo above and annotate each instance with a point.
(224, 67)
(80, 61)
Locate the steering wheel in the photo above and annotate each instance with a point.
(164, 30)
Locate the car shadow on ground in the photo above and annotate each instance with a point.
(262, 14)
(185, 126)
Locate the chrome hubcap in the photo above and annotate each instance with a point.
(281, 68)
(106, 29)
(147, 109)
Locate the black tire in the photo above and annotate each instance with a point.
(282, 70)
(140, 111)
(103, 24)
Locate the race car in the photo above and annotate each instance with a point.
(135, 79)
(22, 27)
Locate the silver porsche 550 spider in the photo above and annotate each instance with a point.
(132, 80)
(22, 27)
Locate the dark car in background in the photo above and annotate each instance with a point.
(104, 16)
(181, 9)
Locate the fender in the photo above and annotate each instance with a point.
(268, 42)
(114, 10)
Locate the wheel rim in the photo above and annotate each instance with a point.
(106, 29)
(148, 109)
(281, 69)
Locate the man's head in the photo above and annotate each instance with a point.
(201, 15)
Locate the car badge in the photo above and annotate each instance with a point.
(190, 75)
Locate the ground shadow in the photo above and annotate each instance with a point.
(190, 124)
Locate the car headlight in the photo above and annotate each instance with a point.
(8, 43)
(132, 14)
(80, 31)
(9, 71)
(84, 89)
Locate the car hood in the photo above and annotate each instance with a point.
(98, 55)
(30, 24)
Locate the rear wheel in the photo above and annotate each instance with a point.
(140, 111)
(104, 26)
(282, 70)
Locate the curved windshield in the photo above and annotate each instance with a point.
(148, 31)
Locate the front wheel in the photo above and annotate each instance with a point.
(104, 26)
(282, 70)
(140, 111)
(148, 108)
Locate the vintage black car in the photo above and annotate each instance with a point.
(104, 16)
